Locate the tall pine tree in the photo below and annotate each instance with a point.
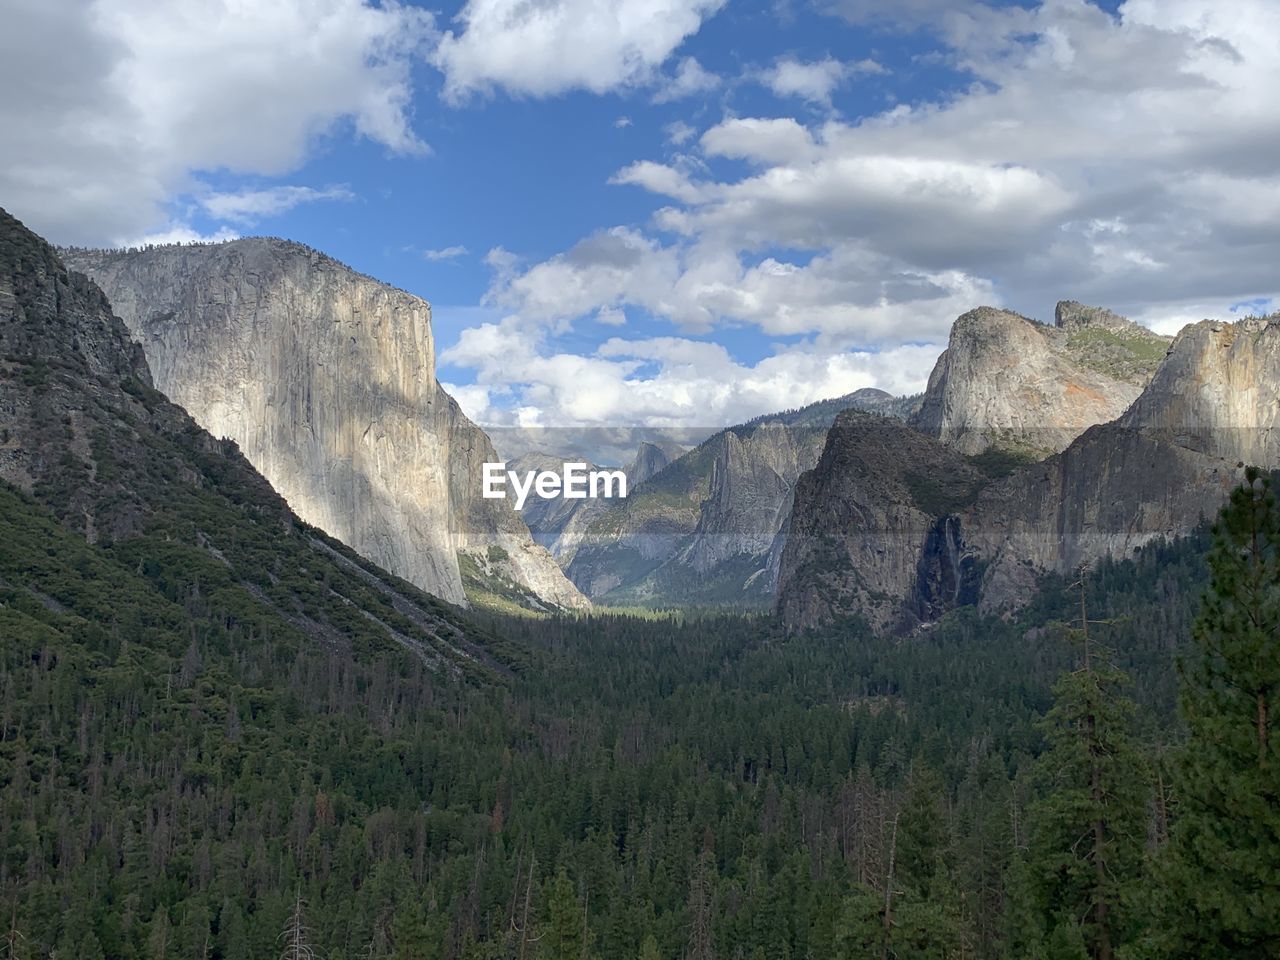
(1221, 870)
(1088, 827)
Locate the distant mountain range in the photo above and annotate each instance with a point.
(705, 529)
(1035, 448)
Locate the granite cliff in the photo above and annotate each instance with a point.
(1008, 382)
(326, 380)
(859, 544)
(175, 523)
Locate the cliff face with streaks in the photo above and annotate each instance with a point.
(326, 380)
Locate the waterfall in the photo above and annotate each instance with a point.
(953, 552)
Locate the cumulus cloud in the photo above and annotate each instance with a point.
(1121, 159)
(846, 297)
(689, 79)
(444, 253)
(813, 80)
(249, 206)
(674, 383)
(604, 270)
(1125, 160)
(543, 49)
(110, 110)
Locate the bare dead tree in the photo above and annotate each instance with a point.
(296, 934)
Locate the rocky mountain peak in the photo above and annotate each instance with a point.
(649, 459)
(1074, 315)
(1155, 472)
(1009, 382)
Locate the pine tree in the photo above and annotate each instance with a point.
(1220, 886)
(1088, 826)
(564, 933)
(649, 948)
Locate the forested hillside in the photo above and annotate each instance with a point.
(176, 775)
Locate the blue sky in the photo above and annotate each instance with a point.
(675, 212)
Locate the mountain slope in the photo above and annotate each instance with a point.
(326, 380)
(93, 445)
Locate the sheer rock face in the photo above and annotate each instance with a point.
(1008, 382)
(326, 380)
(867, 520)
(1157, 471)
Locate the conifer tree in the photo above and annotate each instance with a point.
(1087, 826)
(701, 909)
(1220, 883)
(564, 934)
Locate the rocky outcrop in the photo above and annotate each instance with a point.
(1008, 382)
(1157, 471)
(650, 458)
(1163, 467)
(326, 380)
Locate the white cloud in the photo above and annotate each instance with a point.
(847, 297)
(473, 398)
(662, 382)
(762, 141)
(659, 178)
(111, 109)
(605, 270)
(1124, 160)
(622, 123)
(249, 206)
(813, 80)
(678, 132)
(690, 79)
(444, 253)
(174, 232)
(546, 48)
